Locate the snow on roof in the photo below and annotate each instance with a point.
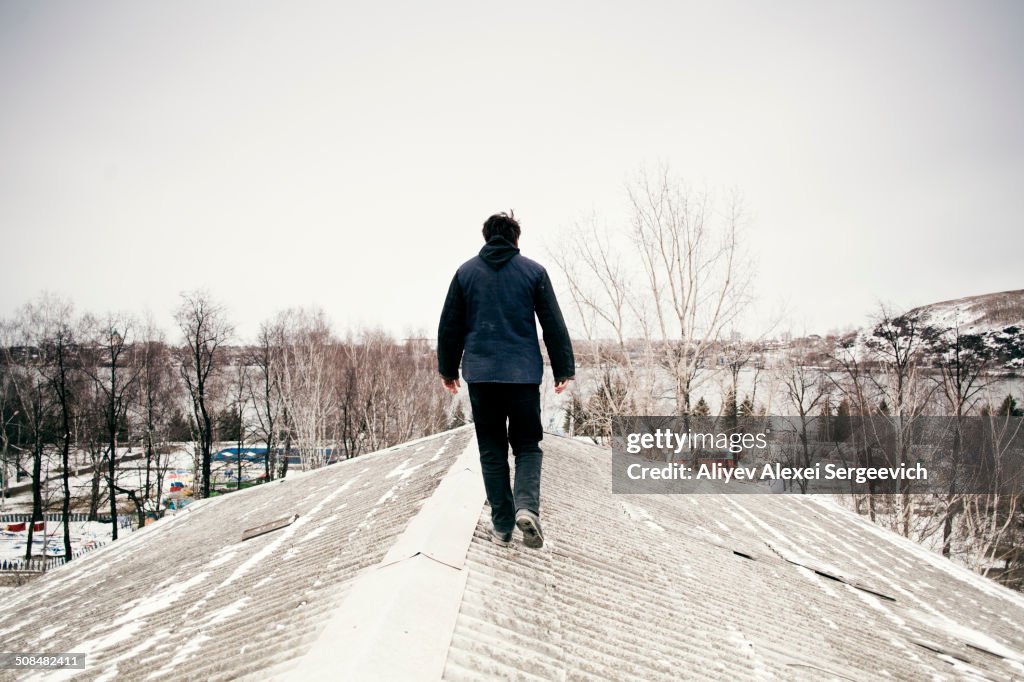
(389, 573)
(186, 598)
(668, 587)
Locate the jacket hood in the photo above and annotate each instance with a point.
(498, 251)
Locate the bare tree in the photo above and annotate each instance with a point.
(896, 344)
(60, 359)
(680, 282)
(696, 273)
(853, 382)
(884, 371)
(962, 360)
(350, 408)
(384, 392)
(993, 521)
(236, 412)
(806, 391)
(156, 396)
(92, 438)
(425, 410)
(36, 360)
(116, 378)
(305, 381)
(264, 391)
(601, 286)
(9, 459)
(375, 390)
(205, 328)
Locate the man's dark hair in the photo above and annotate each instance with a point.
(504, 225)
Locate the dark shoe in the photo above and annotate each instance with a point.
(499, 538)
(529, 523)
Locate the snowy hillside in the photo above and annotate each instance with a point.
(976, 314)
(996, 320)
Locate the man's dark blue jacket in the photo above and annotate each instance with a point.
(489, 314)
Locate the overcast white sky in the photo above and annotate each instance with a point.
(344, 154)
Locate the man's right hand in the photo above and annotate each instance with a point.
(451, 385)
(562, 386)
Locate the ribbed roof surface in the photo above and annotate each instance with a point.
(186, 598)
(627, 587)
(668, 587)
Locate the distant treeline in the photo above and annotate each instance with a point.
(81, 389)
(901, 371)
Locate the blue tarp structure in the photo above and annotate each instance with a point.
(259, 454)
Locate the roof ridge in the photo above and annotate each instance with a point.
(168, 521)
(398, 617)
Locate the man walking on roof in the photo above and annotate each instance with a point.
(489, 325)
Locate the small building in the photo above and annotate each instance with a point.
(723, 459)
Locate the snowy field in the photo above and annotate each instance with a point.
(132, 476)
(85, 535)
(49, 542)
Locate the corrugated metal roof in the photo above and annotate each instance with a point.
(186, 598)
(396, 622)
(668, 587)
(627, 587)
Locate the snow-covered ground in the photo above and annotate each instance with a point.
(132, 476)
(85, 535)
(50, 541)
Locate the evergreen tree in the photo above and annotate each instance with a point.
(729, 407)
(841, 426)
(729, 410)
(228, 425)
(825, 423)
(573, 414)
(1008, 408)
(180, 427)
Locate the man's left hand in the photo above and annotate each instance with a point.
(451, 385)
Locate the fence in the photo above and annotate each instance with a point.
(123, 520)
(44, 564)
(40, 565)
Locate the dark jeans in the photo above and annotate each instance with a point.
(504, 415)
